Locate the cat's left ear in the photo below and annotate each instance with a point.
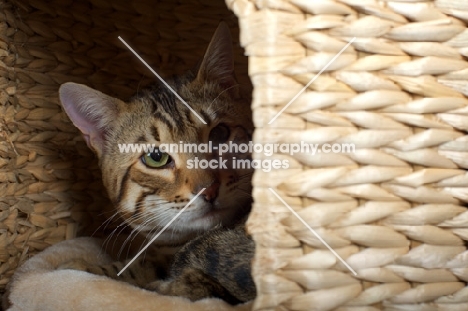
(91, 111)
(218, 63)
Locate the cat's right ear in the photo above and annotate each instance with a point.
(91, 111)
(218, 63)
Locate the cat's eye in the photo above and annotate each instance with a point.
(219, 134)
(156, 159)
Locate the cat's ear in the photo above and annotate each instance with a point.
(91, 111)
(218, 63)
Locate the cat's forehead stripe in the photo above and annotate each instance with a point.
(155, 133)
(168, 110)
(162, 118)
(163, 98)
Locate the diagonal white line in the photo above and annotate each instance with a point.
(160, 232)
(162, 80)
(312, 81)
(313, 231)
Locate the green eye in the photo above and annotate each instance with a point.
(156, 159)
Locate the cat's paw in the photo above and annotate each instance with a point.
(159, 286)
(178, 288)
(192, 284)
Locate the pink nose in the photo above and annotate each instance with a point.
(211, 192)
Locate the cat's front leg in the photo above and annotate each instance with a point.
(139, 273)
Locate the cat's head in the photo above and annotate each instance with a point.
(150, 188)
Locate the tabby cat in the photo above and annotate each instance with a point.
(149, 189)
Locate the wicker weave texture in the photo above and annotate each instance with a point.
(50, 185)
(395, 209)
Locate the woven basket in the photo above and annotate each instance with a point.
(392, 210)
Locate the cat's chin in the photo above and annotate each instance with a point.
(214, 216)
(189, 228)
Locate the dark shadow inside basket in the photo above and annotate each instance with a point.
(55, 190)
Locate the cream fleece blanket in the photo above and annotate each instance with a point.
(37, 285)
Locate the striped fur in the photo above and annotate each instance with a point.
(149, 198)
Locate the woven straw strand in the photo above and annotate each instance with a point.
(394, 209)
